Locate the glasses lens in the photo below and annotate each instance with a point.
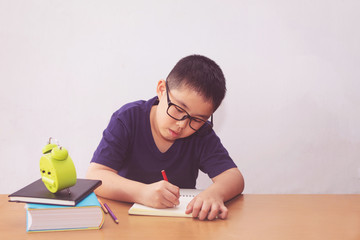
(197, 123)
(176, 112)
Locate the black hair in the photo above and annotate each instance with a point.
(202, 75)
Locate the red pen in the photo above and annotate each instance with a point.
(165, 178)
(164, 175)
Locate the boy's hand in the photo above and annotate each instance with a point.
(207, 206)
(161, 194)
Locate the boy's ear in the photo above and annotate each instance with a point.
(161, 89)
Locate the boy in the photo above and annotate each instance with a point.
(171, 132)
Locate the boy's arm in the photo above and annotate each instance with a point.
(161, 194)
(210, 203)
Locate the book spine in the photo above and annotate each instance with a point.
(27, 219)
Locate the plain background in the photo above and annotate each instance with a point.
(291, 116)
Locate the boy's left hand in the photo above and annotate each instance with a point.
(207, 205)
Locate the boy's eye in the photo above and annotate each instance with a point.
(180, 110)
(198, 120)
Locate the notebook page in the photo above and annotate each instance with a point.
(186, 195)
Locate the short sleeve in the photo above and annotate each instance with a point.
(113, 146)
(214, 158)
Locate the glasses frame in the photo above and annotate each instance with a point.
(209, 124)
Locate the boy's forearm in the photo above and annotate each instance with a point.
(114, 186)
(228, 184)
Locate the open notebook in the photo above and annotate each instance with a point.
(186, 195)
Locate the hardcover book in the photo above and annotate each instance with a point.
(87, 214)
(36, 192)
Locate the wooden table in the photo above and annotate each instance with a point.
(250, 217)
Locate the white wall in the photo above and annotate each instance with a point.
(291, 115)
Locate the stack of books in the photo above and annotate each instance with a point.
(76, 209)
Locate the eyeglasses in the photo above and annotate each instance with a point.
(180, 114)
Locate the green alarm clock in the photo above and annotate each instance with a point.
(57, 168)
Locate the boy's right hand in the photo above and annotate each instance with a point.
(161, 194)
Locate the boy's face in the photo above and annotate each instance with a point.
(195, 105)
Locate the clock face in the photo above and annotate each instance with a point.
(48, 173)
(57, 174)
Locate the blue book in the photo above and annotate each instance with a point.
(87, 214)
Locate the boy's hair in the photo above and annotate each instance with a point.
(200, 74)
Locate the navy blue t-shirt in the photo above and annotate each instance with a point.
(128, 147)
